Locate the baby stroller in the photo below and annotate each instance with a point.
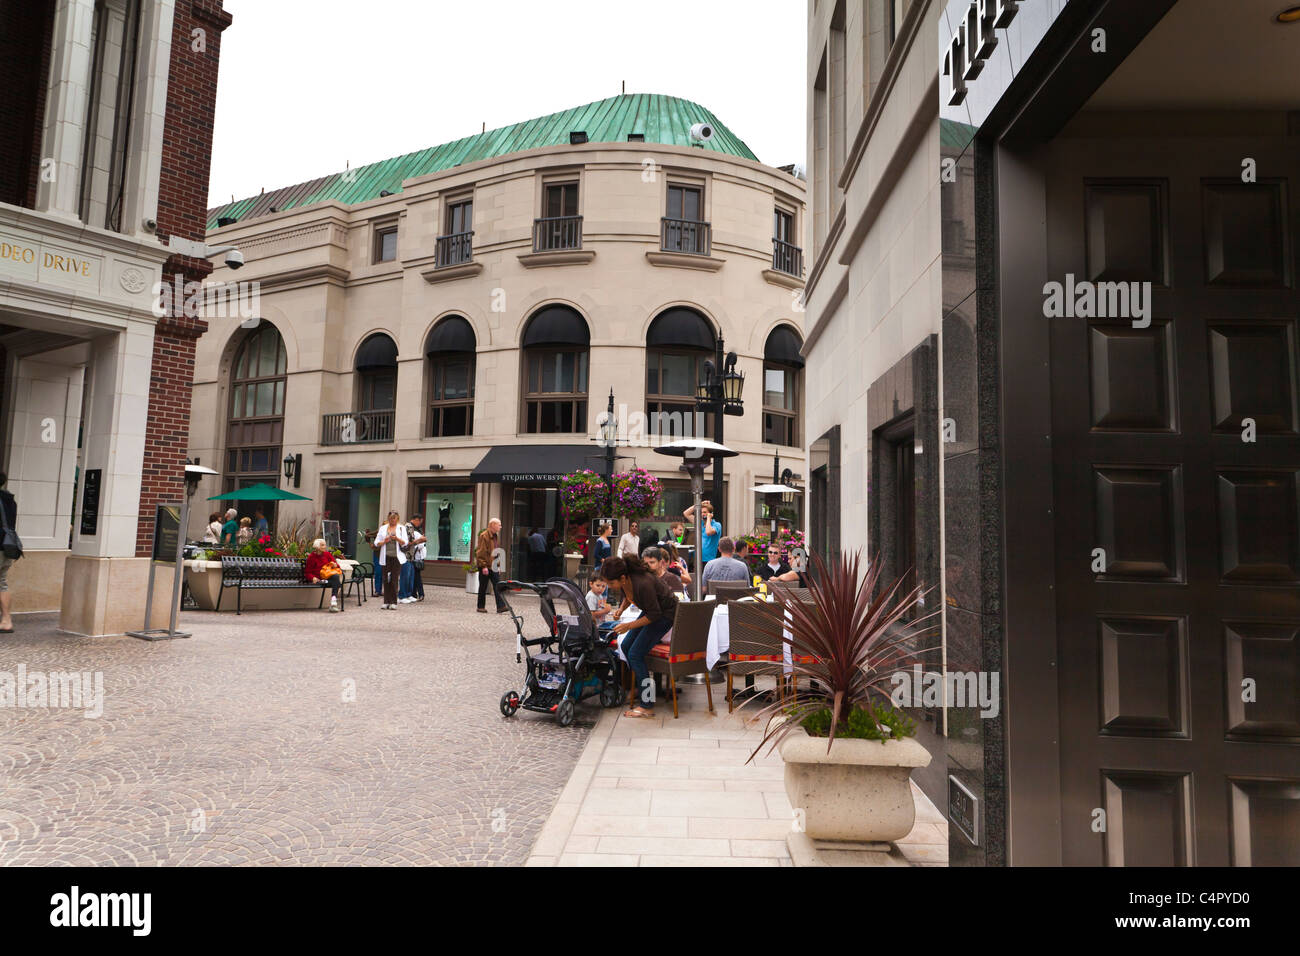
(571, 662)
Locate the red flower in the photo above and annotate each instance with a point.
(264, 539)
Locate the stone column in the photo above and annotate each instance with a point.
(62, 145)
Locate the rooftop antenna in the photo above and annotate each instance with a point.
(624, 86)
(484, 129)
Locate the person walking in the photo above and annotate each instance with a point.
(487, 575)
(412, 568)
(9, 512)
(630, 543)
(653, 596)
(391, 542)
(213, 534)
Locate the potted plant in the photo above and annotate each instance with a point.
(471, 578)
(848, 752)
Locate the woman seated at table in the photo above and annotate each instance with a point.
(658, 608)
(676, 565)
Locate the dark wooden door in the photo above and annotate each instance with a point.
(1179, 639)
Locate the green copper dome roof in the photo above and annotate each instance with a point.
(660, 119)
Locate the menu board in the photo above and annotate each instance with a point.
(166, 532)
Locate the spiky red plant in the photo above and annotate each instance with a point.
(846, 640)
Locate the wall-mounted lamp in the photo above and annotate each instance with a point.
(293, 469)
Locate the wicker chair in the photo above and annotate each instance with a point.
(685, 652)
(756, 646)
(728, 591)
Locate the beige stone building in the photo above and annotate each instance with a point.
(441, 332)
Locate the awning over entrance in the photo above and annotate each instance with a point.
(535, 464)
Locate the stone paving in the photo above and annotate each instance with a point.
(683, 792)
(237, 746)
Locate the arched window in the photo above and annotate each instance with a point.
(555, 347)
(450, 350)
(256, 417)
(782, 371)
(677, 344)
(376, 366)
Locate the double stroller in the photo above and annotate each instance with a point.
(573, 661)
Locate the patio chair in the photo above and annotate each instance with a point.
(755, 647)
(685, 652)
(728, 591)
(362, 572)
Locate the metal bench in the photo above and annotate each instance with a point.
(262, 574)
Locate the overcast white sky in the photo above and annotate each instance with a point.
(307, 85)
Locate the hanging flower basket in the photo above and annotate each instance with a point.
(636, 494)
(584, 495)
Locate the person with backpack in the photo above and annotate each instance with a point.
(12, 551)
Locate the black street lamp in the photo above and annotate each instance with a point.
(779, 491)
(721, 393)
(609, 438)
(293, 469)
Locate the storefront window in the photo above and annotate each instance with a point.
(449, 522)
(536, 532)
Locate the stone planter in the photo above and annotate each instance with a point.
(859, 792)
(471, 582)
(204, 580)
(571, 564)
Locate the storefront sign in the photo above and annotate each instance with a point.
(90, 502)
(166, 530)
(532, 479)
(972, 44)
(45, 262)
(963, 810)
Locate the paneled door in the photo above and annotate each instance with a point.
(1176, 486)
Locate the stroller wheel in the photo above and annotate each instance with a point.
(611, 695)
(565, 713)
(509, 703)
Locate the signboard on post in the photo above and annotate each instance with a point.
(330, 532)
(166, 531)
(90, 502)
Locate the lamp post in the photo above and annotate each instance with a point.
(609, 438)
(780, 490)
(720, 393)
(694, 452)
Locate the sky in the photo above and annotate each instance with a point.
(309, 86)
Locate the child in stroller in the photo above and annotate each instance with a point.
(572, 661)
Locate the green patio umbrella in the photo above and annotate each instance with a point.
(262, 492)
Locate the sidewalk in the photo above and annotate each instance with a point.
(678, 792)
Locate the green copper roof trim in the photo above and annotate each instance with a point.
(666, 120)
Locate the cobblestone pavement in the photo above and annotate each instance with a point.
(237, 746)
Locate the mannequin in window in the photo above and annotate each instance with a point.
(444, 529)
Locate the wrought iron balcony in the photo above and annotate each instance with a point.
(557, 233)
(787, 258)
(455, 249)
(685, 235)
(357, 428)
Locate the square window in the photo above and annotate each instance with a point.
(386, 244)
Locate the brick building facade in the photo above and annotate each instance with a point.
(105, 145)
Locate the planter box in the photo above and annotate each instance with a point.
(859, 792)
(204, 580)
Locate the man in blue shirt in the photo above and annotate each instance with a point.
(710, 532)
(260, 525)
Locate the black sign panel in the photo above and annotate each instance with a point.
(963, 810)
(166, 530)
(90, 502)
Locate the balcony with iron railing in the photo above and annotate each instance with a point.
(688, 236)
(787, 258)
(454, 250)
(357, 428)
(557, 233)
